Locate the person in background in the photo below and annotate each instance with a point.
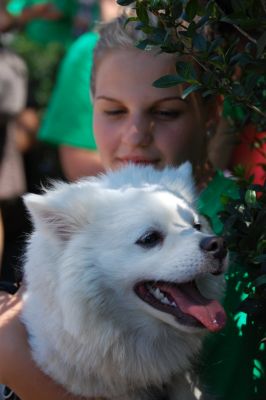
(68, 121)
(40, 33)
(42, 21)
(136, 122)
(24, 164)
(13, 89)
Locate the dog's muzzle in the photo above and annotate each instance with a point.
(216, 247)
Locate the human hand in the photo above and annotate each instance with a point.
(17, 369)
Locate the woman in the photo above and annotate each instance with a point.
(136, 122)
(67, 123)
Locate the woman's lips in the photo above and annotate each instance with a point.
(138, 160)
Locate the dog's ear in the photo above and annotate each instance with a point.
(186, 181)
(185, 172)
(48, 217)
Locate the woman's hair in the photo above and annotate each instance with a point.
(116, 34)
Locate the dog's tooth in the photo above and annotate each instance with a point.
(155, 292)
(158, 294)
(165, 300)
(151, 289)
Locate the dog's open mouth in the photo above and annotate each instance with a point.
(184, 302)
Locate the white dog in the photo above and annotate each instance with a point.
(122, 276)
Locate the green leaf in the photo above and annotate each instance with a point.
(131, 19)
(173, 47)
(209, 92)
(177, 9)
(191, 30)
(238, 5)
(212, 9)
(261, 44)
(245, 23)
(190, 89)
(238, 90)
(214, 44)
(191, 9)
(261, 247)
(250, 82)
(186, 70)
(168, 81)
(142, 13)
(158, 36)
(199, 42)
(208, 79)
(261, 280)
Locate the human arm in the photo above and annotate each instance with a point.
(77, 162)
(1, 239)
(68, 122)
(17, 369)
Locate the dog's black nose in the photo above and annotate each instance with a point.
(215, 245)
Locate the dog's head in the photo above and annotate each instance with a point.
(129, 246)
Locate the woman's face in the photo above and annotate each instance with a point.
(133, 121)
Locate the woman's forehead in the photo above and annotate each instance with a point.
(134, 71)
(138, 63)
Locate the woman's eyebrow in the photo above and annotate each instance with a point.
(106, 98)
(160, 100)
(169, 98)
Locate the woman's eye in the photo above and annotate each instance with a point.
(114, 112)
(150, 239)
(167, 114)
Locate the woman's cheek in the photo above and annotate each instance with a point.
(176, 144)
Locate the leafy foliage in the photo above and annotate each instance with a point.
(221, 37)
(42, 63)
(244, 229)
(226, 40)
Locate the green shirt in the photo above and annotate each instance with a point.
(68, 119)
(233, 359)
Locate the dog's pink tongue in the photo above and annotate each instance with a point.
(190, 301)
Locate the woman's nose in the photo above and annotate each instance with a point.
(138, 131)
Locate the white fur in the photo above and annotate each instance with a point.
(87, 327)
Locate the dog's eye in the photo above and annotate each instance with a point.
(150, 239)
(197, 226)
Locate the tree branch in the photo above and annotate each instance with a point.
(240, 30)
(257, 110)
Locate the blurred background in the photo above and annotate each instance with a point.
(46, 49)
